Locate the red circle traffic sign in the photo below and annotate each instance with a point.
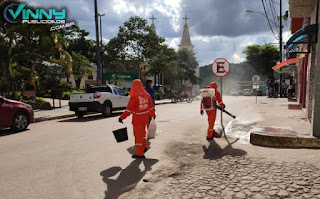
(256, 79)
(220, 67)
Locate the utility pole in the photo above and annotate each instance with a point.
(316, 105)
(280, 46)
(99, 81)
(280, 38)
(101, 15)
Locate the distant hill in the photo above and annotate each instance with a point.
(238, 72)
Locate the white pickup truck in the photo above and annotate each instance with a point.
(101, 99)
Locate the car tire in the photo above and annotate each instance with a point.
(189, 99)
(20, 122)
(79, 114)
(106, 110)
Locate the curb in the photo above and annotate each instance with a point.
(42, 119)
(264, 140)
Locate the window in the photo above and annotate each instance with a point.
(105, 89)
(120, 92)
(95, 89)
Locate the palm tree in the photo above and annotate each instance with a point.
(65, 60)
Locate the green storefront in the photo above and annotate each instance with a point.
(113, 77)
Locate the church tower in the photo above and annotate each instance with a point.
(159, 78)
(186, 41)
(153, 27)
(186, 44)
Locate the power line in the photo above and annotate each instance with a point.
(275, 2)
(273, 10)
(268, 20)
(272, 14)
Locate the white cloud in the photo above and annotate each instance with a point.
(172, 9)
(169, 14)
(173, 43)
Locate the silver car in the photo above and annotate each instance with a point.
(247, 92)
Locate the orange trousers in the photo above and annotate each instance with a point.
(211, 120)
(139, 132)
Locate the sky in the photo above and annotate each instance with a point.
(218, 28)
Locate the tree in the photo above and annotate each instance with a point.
(188, 63)
(81, 66)
(135, 41)
(78, 42)
(160, 61)
(65, 59)
(262, 58)
(23, 47)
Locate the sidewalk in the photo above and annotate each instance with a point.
(284, 124)
(63, 112)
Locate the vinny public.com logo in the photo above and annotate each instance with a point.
(36, 16)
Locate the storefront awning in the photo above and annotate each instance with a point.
(286, 65)
(302, 36)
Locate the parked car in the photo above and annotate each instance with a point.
(247, 92)
(14, 114)
(101, 99)
(240, 91)
(234, 91)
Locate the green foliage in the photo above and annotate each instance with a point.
(66, 95)
(23, 48)
(79, 43)
(14, 96)
(39, 99)
(187, 64)
(49, 75)
(160, 62)
(134, 41)
(80, 67)
(262, 58)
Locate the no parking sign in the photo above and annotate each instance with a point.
(220, 67)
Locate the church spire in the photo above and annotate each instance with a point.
(153, 27)
(186, 41)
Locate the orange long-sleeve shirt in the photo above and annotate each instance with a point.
(141, 106)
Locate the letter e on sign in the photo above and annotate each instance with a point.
(220, 67)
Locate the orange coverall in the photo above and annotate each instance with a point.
(141, 106)
(213, 113)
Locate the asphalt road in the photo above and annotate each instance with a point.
(79, 158)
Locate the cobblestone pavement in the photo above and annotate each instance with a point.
(245, 177)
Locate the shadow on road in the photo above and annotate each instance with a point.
(6, 132)
(214, 151)
(89, 118)
(132, 149)
(127, 179)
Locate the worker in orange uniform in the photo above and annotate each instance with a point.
(213, 113)
(141, 106)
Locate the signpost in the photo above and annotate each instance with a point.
(221, 68)
(256, 80)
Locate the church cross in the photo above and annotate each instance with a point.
(153, 18)
(185, 18)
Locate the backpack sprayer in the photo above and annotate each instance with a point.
(209, 101)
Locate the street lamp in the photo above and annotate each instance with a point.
(251, 11)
